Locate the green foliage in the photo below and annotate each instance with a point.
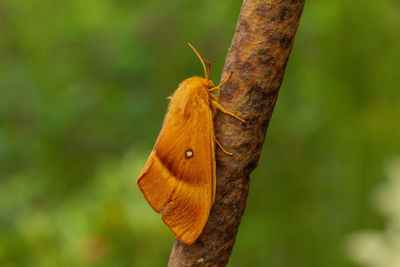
(83, 92)
(371, 248)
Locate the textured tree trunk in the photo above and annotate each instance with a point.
(257, 57)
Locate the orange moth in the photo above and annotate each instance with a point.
(178, 179)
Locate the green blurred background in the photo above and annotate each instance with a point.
(83, 93)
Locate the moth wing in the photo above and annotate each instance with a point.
(183, 187)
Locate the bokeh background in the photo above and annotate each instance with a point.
(83, 92)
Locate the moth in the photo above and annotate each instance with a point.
(178, 179)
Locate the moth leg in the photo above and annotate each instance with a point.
(221, 108)
(219, 86)
(223, 150)
(213, 97)
(214, 110)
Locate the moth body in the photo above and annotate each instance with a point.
(179, 178)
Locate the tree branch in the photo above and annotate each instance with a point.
(257, 57)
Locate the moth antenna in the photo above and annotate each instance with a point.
(209, 69)
(201, 59)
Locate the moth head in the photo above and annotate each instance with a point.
(207, 84)
(197, 83)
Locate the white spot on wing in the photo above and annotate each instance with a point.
(189, 154)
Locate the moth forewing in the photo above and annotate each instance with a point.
(178, 179)
(182, 187)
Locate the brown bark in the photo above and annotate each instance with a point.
(257, 57)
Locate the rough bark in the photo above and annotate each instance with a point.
(257, 57)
